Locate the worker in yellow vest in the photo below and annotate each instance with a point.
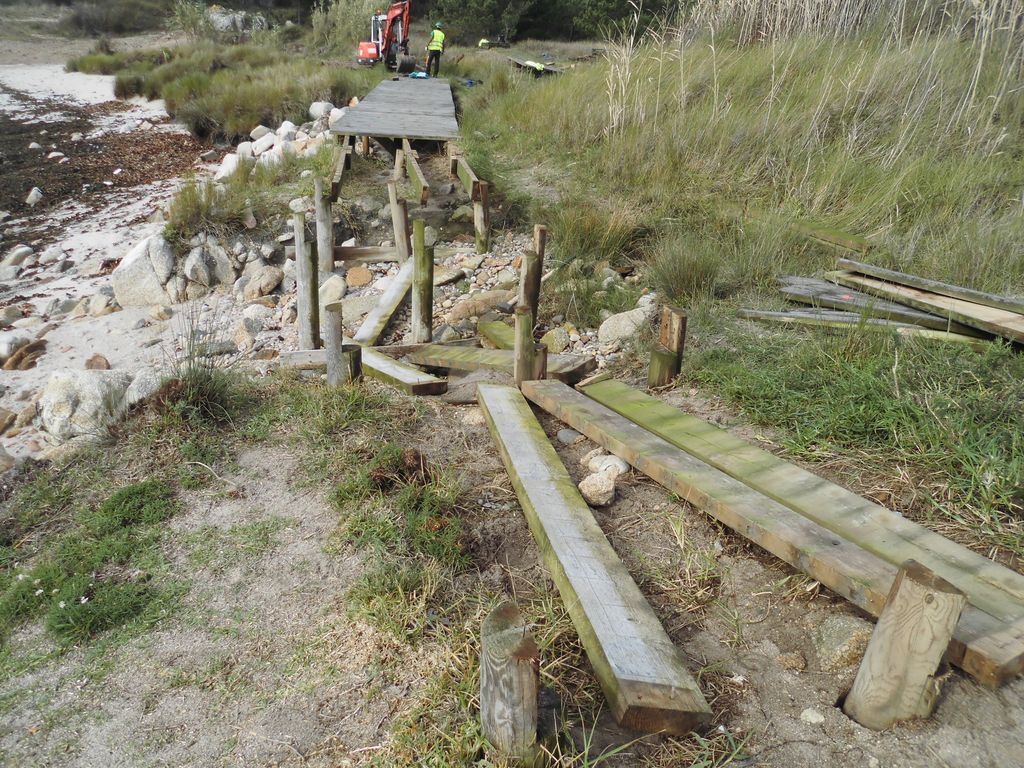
(434, 50)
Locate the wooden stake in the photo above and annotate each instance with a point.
(366, 146)
(663, 368)
(307, 287)
(509, 671)
(481, 220)
(529, 282)
(399, 221)
(324, 229)
(333, 344)
(897, 678)
(667, 352)
(422, 285)
(525, 347)
(540, 240)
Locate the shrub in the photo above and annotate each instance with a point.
(115, 17)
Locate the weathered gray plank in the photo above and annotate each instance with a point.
(376, 365)
(641, 671)
(570, 368)
(984, 646)
(404, 108)
(378, 318)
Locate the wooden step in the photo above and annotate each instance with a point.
(641, 671)
(568, 368)
(377, 319)
(500, 334)
(990, 648)
(376, 365)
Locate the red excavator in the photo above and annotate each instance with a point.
(389, 39)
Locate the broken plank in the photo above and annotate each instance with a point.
(343, 164)
(377, 319)
(990, 649)
(934, 286)
(568, 368)
(498, 333)
(415, 173)
(1001, 322)
(641, 671)
(376, 365)
(988, 585)
(821, 293)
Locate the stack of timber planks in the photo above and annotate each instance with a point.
(850, 544)
(867, 297)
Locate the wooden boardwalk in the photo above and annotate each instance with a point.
(404, 108)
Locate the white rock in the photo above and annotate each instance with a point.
(55, 156)
(244, 150)
(262, 282)
(82, 402)
(139, 279)
(589, 456)
(598, 490)
(320, 108)
(11, 342)
(648, 299)
(287, 147)
(77, 136)
(333, 289)
(220, 263)
(335, 116)
(612, 465)
(624, 325)
(263, 144)
(34, 196)
(271, 158)
(35, 145)
(812, 716)
(287, 131)
(259, 132)
(227, 167)
(257, 313)
(16, 256)
(145, 383)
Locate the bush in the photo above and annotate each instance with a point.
(115, 17)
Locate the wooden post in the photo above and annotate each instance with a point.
(481, 220)
(399, 171)
(540, 240)
(540, 362)
(667, 351)
(324, 229)
(897, 678)
(422, 285)
(509, 670)
(399, 221)
(333, 343)
(525, 347)
(529, 282)
(366, 146)
(307, 287)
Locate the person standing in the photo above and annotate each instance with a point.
(434, 50)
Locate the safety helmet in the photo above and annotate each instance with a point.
(437, 25)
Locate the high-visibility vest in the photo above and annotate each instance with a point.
(436, 41)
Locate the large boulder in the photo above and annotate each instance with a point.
(139, 279)
(624, 326)
(262, 282)
(85, 403)
(319, 108)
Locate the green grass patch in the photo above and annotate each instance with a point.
(220, 548)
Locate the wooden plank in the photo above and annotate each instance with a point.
(1000, 322)
(415, 173)
(850, 321)
(641, 671)
(987, 648)
(498, 333)
(934, 286)
(469, 179)
(821, 293)
(988, 585)
(404, 108)
(377, 319)
(568, 368)
(376, 365)
(344, 163)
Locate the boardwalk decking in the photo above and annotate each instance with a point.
(404, 108)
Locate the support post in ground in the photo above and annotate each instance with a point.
(540, 240)
(509, 664)
(525, 347)
(897, 679)
(333, 343)
(422, 285)
(667, 351)
(366, 146)
(399, 221)
(307, 288)
(482, 220)
(529, 281)
(324, 229)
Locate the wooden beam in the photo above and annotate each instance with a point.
(422, 285)
(343, 163)
(376, 365)
(569, 368)
(985, 646)
(641, 671)
(934, 286)
(377, 319)
(509, 684)
(897, 679)
(500, 334)
(821, 293)
(469, 179)
(307, 288)
(415, 173)
(851, 321)
(1001, 322)
(399, 222)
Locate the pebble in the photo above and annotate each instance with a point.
(812, 716)
(569, 436)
